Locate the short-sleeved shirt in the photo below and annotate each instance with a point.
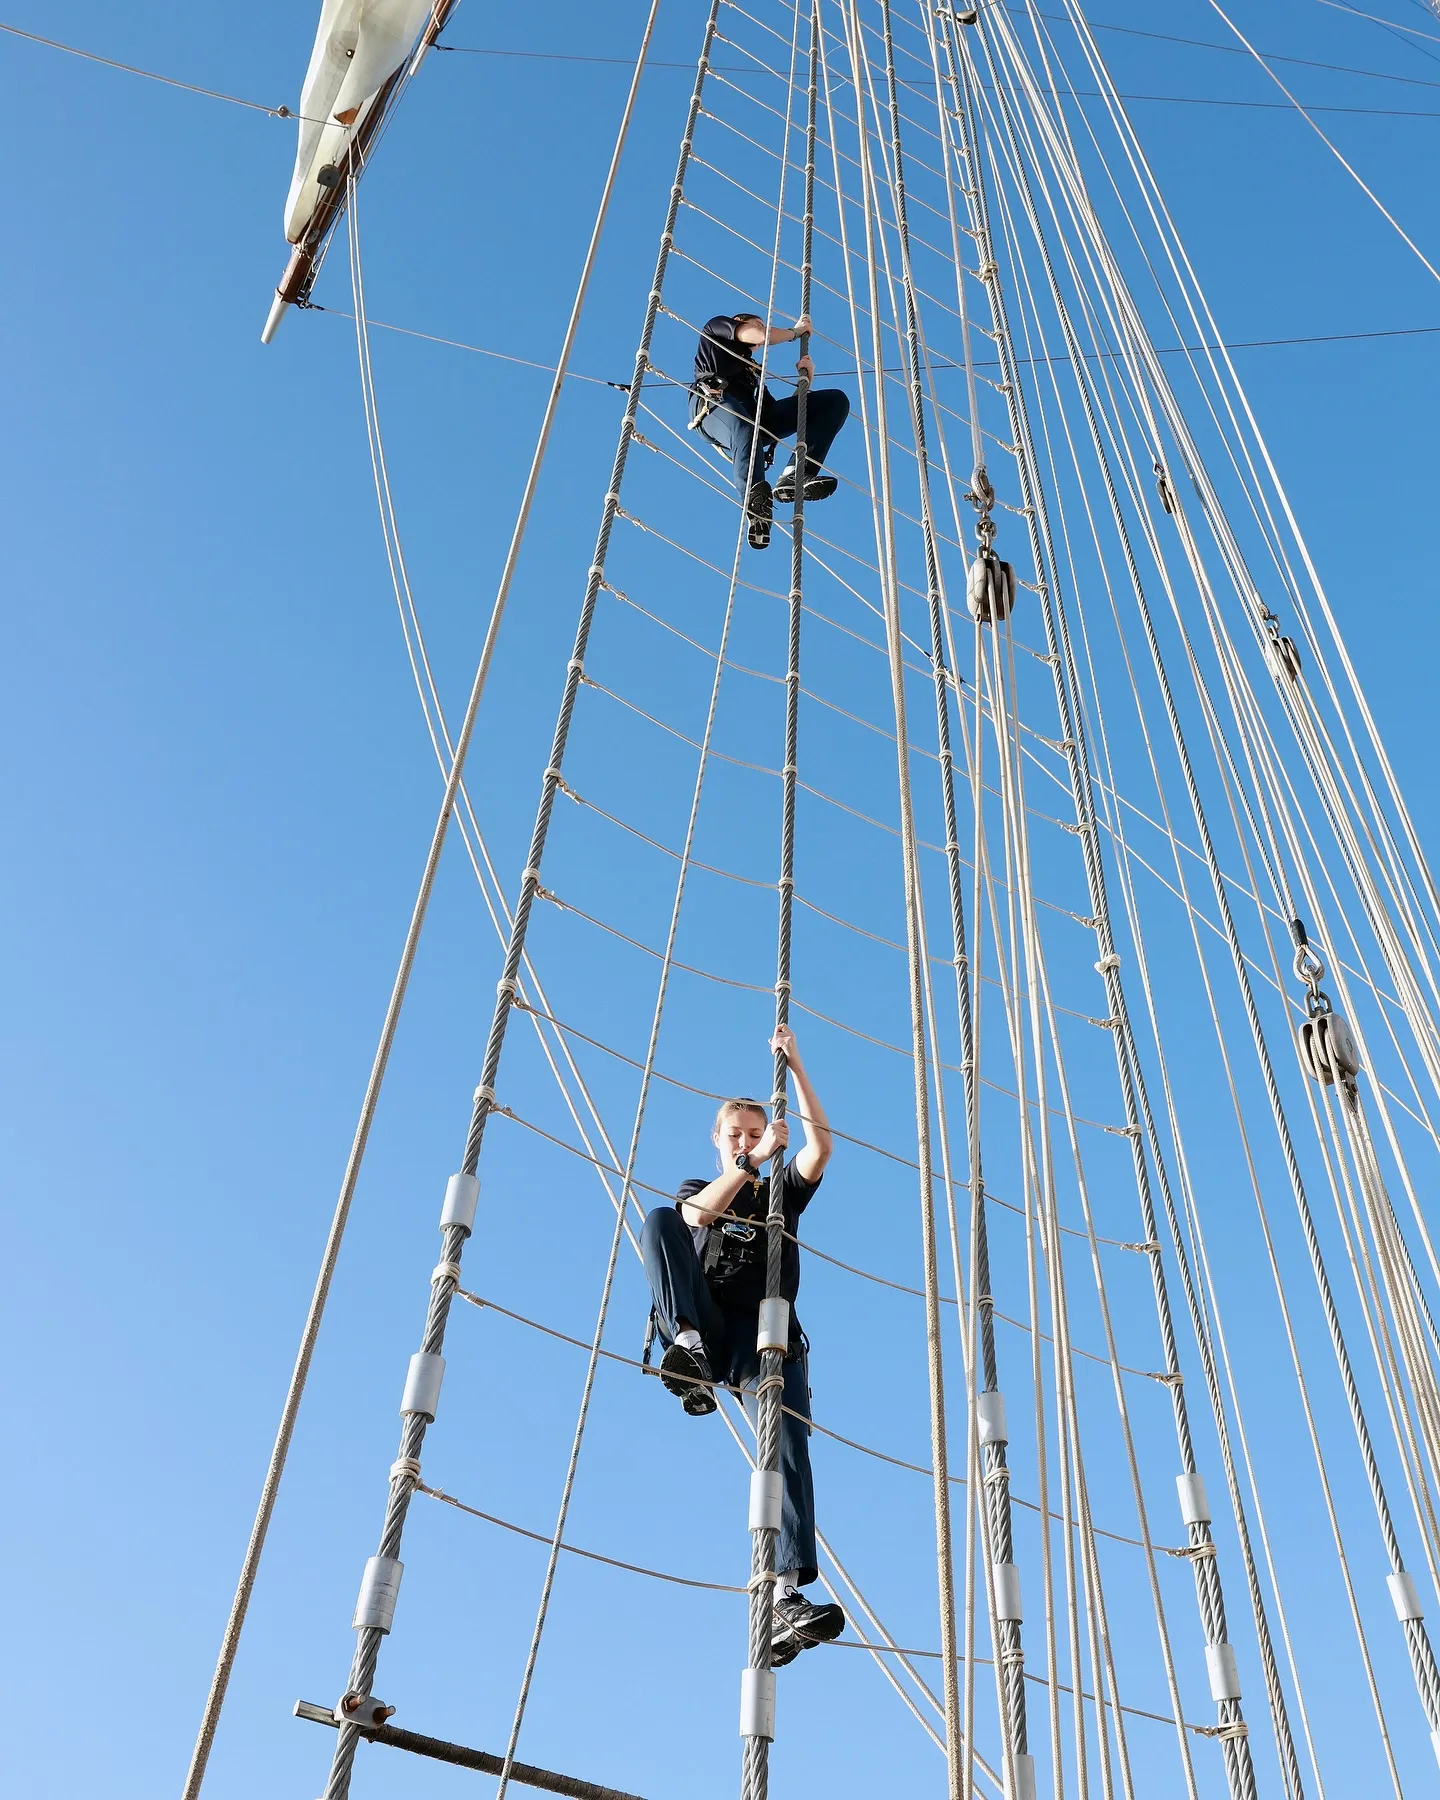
(752, 1203)
(720, 355)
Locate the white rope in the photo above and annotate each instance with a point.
(1348, 167)
(230, 1642)
(369, 1639)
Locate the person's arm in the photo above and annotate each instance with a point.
(752, 331)
(716, 1198)
(810, 1159)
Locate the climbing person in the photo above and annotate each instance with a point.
(727, 402)
(705, 1256)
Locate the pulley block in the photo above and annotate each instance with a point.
(1287, 656)
(991, 588)
(1328, 1048)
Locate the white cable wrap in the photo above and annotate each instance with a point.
(422, 1385)
(462, 1195)
(757, 1704)
(990, 1418)
(1007, 1593)
(1224, 1672)
(1405, 1596)
(379, 1590)
(765, 1499)
(1194, 1501)
(1023, 1786)
(774, 1332)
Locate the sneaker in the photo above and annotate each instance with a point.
(686, 1373)
(817, 487)
(800, 1626)
(759, 508)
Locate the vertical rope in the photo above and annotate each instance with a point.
(367, 1648)
(1235, 1745)
(1009, 1652)
(755, 1768)
(916, 958)
(1238, 1765)
(310, 1332)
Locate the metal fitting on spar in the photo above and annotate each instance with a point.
(362, 1709)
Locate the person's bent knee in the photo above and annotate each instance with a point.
(662, 1222)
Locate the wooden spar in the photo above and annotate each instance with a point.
(437, 1748)
(294, 285)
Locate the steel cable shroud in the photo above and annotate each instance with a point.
(453, 1235)
(758, 1682)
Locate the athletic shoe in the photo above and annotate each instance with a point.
(759, 509)
(685, 1373)
(800, 1626)
(817, 487)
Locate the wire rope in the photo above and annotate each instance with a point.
(270, 1490)
(1341, 1352)
(454, 1234)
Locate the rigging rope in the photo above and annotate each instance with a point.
(1012, 127)
(368, 1644)
(230, 1641)
(1423, 1676)
(917, 957)
(757, 1702)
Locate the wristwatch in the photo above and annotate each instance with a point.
(746, 1167)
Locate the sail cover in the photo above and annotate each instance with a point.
(359, 46)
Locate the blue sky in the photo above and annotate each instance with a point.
(218, 797)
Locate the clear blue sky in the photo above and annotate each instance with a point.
(216, 802)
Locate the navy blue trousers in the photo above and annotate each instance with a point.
(734, 431)
(679, 1290)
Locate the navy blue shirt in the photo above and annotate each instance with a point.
(749, 1205)
(720, 355)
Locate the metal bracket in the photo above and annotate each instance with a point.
(362, 1709)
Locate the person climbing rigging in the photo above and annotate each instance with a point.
(727, 401)
(705, 1257)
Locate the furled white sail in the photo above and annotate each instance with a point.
(359, 46)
